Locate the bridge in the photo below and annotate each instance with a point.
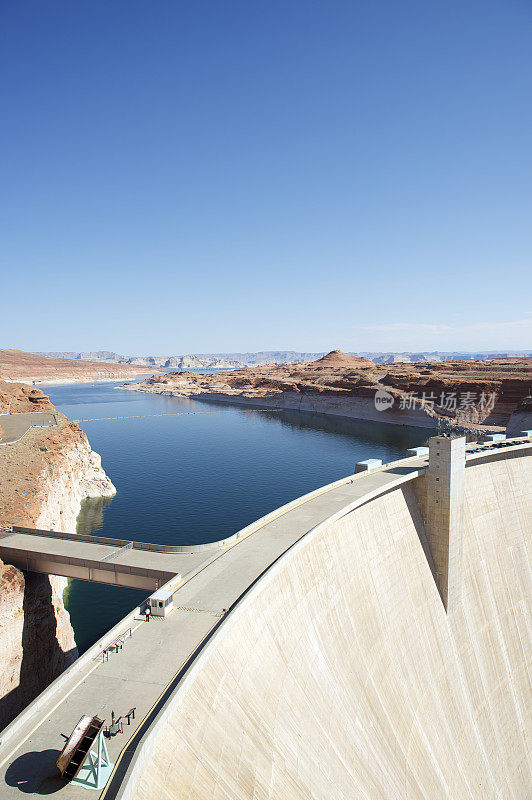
(209, 583)
(118, 562)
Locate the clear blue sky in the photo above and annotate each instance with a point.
(210, 176)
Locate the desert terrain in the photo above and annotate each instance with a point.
(470, 395)
(16, 365)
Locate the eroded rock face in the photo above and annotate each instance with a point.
(36, 638)
(43, 480)
(521, 418)
(463, 394)
(15, 397)
(338, 359)
(15, 365)
(11, 627)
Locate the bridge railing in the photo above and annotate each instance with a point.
(116, 543)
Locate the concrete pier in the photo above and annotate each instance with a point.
(443, 512)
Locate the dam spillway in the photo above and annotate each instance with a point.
(340, 673)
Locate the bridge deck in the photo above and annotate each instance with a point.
(151, 661)
(104, 563)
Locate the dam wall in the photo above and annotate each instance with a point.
(340, 674)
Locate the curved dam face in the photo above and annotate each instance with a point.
(341, 675)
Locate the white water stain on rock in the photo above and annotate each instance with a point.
(36, 637)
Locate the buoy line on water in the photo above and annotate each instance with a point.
(174, 414)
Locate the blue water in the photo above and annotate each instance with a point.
(202, 474)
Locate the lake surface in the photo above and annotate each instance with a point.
(200, 473)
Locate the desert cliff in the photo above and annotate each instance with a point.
(15, 365)
(43, 479)
(470, 395)
(236, 360)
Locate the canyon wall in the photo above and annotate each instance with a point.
(356, 408)
(45, 478)
(521, 419)
(456, 395)
(15, 365)
(340, 674)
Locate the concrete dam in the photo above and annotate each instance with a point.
(378, 646)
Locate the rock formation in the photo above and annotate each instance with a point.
(460, 394)
(43, 480)
(521, 418)
(336, 360)
(230, 360)
(15, 397)
(16, 365)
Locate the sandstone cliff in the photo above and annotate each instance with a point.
(43, 480)
(230, 360)
(15, 397)
(521, 418)
(461, 394)
(15, 365)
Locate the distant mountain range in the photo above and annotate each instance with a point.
(412, 358)
(235, 360)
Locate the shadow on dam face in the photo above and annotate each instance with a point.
(341, 675)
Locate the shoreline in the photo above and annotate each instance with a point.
(456, 397)
(39, 382)
(264, 403)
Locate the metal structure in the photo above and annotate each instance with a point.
(79, 762)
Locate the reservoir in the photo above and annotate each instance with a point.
(190, 472)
